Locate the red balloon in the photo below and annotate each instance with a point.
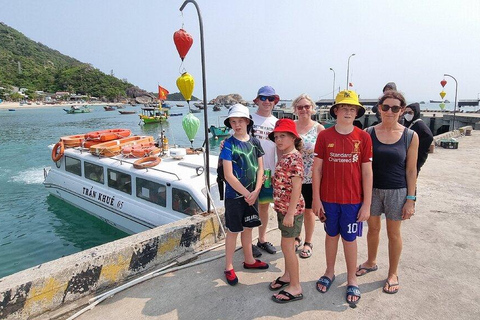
(183, 41)
(443, 82)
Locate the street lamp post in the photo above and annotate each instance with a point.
(333, 88)
(205, 117)
(455, 105)
(348, 69)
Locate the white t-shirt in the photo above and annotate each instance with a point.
(263, 126)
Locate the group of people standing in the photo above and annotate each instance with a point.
(343, 175)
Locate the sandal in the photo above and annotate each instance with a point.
(290, 297)
(306, 253)
(353, 291)
(326, 282)
(299, 240)
(278, 282)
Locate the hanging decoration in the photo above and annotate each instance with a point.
(442, 106)
(183, 41)
(185, 84)
(443, 83)
(443, 94)
(190, 125)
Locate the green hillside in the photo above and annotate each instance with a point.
(28, 64)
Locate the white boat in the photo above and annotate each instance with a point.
(133, 200)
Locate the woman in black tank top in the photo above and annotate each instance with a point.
(395, 151)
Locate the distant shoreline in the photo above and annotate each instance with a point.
(16, 105)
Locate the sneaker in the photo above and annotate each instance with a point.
(267, 246)
(231, 277)
(256, 252)
(257, 265)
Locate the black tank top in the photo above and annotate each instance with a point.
(389, 162)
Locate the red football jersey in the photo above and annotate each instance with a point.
(343, 155)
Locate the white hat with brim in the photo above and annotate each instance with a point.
(237, 111)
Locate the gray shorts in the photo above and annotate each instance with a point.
(388, 201)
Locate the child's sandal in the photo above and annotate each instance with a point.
(306, 253)
(299, 240)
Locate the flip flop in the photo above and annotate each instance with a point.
(355, 292)
(367, 270)
(326, 282)
(290, 297)
(389, 285)
(280, 282)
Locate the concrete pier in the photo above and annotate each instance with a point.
(438, 271)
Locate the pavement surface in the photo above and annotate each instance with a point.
(438, 272)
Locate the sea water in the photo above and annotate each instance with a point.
(36, 227)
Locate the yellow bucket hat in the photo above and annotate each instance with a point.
(347, 97)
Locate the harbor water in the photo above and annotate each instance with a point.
(36, 227)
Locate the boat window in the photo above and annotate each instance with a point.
(183, 202)
(73, 165)
(93, 172)
(120, 181)
(151, 191)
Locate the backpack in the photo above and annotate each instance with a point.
(220, 178)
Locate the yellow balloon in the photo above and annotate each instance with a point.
(185, 84)
(443, 94)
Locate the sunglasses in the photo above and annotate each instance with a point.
(306, 107)
(264, 98)
(395, 109)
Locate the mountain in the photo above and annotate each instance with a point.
(28, 64)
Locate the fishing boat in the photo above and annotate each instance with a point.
(180, 105)
(176, 114)
(154, 115)
(126, 112)
(109, 108)
(131, 194)
(219, 131)
(78, 109)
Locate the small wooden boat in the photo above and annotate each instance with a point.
(78, 109)
(126, 112)
(176, 114)
(222, 131)
(180, 105)
(109, 108)
(154, 115)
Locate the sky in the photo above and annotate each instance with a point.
(290, 45)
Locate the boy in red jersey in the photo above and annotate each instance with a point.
(342, 188)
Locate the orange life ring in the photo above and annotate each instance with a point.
(141, 150)
(146, 162)
(58, 154)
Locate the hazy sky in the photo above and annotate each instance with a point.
(288, 44)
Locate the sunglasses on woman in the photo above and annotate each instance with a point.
(395, 109)
(306, 107)
(264, 98)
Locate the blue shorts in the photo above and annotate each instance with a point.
(342, 218)
(265, 195)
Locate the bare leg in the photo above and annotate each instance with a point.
(394, 251)
(309, 222)
(331, 248)
(291, 267)
(373, 239)
(230, 244)
(262, 230)
(246, 238)
(350, 251)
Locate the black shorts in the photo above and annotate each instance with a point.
(307, 193)
(239, 215)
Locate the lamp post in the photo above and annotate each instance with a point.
(333, 88)
(348, 69)
(205, 117)
(455, 105)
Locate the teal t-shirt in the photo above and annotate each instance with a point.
(244, 157)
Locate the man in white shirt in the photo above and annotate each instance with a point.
(263, 124)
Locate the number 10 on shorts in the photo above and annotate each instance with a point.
(356, 228)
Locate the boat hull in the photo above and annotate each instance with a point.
(219, 131)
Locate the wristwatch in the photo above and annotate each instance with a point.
(414, 198)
